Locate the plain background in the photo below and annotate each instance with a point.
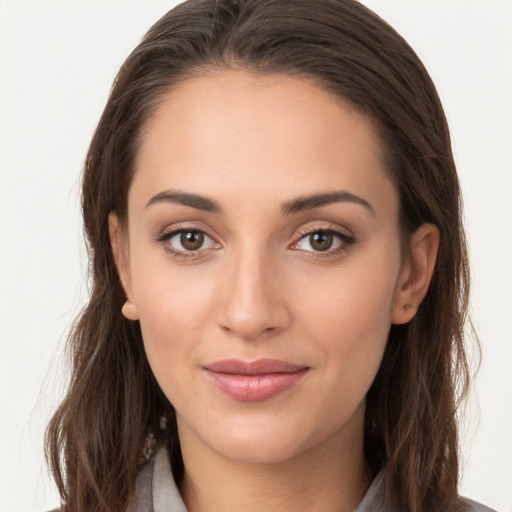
(57, 62)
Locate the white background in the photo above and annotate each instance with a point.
(57, 61)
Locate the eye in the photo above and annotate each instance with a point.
(183, 242)
(324, 240)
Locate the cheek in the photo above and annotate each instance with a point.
(174, 305)
(169, 295)
(349, 314)
(351, 298)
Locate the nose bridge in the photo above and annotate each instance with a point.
(252, 302)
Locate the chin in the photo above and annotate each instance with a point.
(259, 449)
(266, 439)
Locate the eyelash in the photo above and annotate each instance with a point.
(164, 238)
(346, 241)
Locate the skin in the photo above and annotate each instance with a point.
(259, 288)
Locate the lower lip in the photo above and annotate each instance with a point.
(255, 388)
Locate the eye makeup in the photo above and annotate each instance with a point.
(185, 241)
(322, 242)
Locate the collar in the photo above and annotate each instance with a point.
(166, 496)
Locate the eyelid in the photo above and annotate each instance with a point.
(175, 229)
(186, 226)
(323, 226)
(346, 239)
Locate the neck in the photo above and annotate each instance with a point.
(332, 476)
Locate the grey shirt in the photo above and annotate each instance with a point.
(157, 491)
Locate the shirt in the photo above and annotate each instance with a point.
(157, 491)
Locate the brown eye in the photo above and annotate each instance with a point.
(328, 241)
(191, 240)
(321, 240)
(187, 242)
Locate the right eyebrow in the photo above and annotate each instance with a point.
(184, 198)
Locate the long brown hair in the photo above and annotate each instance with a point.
(114, 405)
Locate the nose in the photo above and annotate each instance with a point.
(253, 301)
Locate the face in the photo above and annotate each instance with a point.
(263, 261)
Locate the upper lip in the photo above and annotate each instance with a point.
(258, 367)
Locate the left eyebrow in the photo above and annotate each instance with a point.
(317, 200)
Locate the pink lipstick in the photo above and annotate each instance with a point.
(254, 381)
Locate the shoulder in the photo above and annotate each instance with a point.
(156, 490)
(143, 501)
(473, 506)
(376, 499)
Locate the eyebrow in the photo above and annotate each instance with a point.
(290, 207)
(317, 200)
(193, 200)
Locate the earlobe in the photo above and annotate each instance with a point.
(129, 310)
(119, 251)
(416, 273)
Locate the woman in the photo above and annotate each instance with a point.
(280, 274)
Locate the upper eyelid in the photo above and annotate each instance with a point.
(343, 238)
(179, 227)
(171, 234)
(328, 226)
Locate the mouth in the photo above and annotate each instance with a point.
(254, 381)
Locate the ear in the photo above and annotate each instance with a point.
(416, 273)
(121, 258)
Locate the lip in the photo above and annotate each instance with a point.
(254, 381)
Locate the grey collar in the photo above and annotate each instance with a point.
(166, 496)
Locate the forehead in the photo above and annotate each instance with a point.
(270, 136)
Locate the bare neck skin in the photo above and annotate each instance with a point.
(331, 477)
